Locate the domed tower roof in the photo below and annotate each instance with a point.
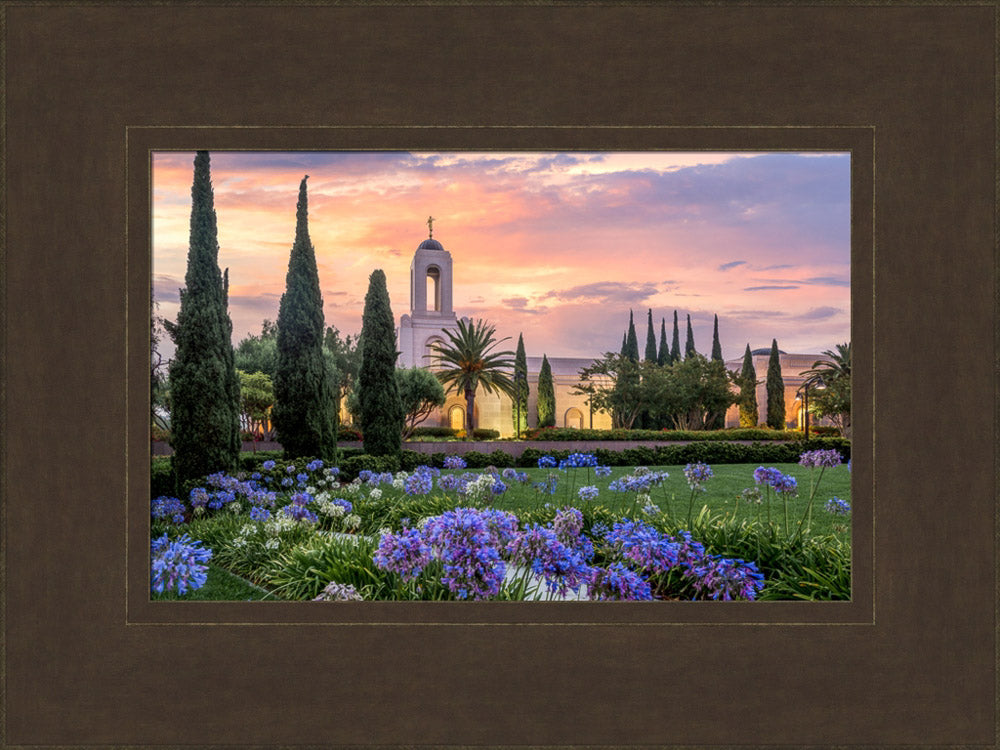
(430, 244)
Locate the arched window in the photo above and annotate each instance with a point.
(430, 358)
(456, 418)
(434, 288)
(573, 418)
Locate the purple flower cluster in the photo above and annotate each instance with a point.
(468, 542)
(617, 582)
(602, 471)
(644, 546)
(568, 524)
(259, 514)
(548, 485)
(726, 579)
(576, 461)
(454, 462)
(168, 507)
(406, 553)
(546, 462)
(697, 474)
(267, 465)
(820, 459)
(712, 576)
(374, 478)
(419, 482)
(314, 465)
(514, 475)
(638, 482)
(181, 565)
(450, 482)
(838, 507)
(564, 567)
(588, 494)
(298, 510)
(782, 483)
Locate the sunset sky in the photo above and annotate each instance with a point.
(557, 246)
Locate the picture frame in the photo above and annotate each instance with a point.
(90, 89)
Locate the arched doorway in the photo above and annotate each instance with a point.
(456, 418)
(430, 358)
(573, 418)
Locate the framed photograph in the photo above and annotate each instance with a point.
(581, 149)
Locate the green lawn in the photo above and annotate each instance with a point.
(673, 497)
(220, 586)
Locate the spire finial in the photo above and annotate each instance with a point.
(430, 226)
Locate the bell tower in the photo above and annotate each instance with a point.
(430, 302)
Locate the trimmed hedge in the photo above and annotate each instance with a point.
(438, 432)
(745, 433)
(483, 433)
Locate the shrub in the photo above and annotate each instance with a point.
(439, 432)
(744, 433)
(483, 433)
(161, 478)
(351, 467)
(348, 434)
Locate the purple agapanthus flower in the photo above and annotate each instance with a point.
(820, 459)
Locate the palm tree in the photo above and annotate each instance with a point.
(467, 362)
(832, 378)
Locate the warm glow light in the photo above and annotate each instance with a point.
(557, 246)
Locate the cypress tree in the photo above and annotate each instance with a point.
(624, 344)
(546, 396)
(663, 356)
(675, 346)
(689, 344)
(632, 345)
(748, 391)
(775, 390)
(303, 400)
(204, 387)
(716, 421)
(650, 338)
(716, 346)
(378, 393)
(520, 403)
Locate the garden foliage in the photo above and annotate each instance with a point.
(204, 388)
(303, 401)
(546, 395)
(381, 411)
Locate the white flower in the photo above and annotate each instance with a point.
(235, 507)
(199, 510)
(271, 543)
(311, 490)
(375, 494)
(247, 529)
(398, 483)
(352, 521)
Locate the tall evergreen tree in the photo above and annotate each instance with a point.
(204, 387)
(650, 338)
(520, 402)
(748, 391)
(303, 398)
(378, 392)
(716, 420)
(625, 343)
(632, 345)
(775, 390)
(689, 344)
(675, 345)
(663, 356)
(716, 346)
(546, 395)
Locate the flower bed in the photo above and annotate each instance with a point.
(297, 529)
